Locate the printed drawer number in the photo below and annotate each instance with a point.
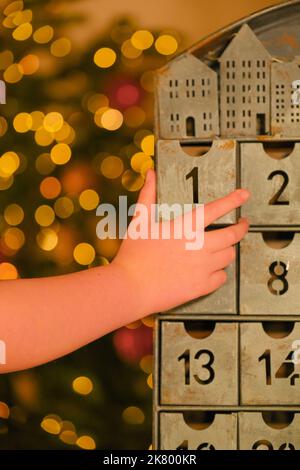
(285, 371)
(274, 201)
(267, 445)
(278, 277)
(204, 446)
(194, 174)
(201, 354)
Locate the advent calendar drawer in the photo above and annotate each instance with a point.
(274, 430)
(185, 179)
(274, 184)
(270, 274)
(198, 431)
(269, 374)
(198, 364)
(222, 300)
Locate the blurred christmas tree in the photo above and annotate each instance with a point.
(76, 129)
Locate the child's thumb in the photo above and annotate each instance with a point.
(147, 194)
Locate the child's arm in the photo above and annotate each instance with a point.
(46, 318)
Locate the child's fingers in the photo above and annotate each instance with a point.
(216, 240)
(215, 209)
(216, 280)
(147, 194)
(221, 259)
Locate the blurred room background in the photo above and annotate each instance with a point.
(77, 130)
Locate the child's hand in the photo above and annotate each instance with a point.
(163, 273)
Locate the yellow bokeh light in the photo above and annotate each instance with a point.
(142, 39)
(44, 215)
(112, 167)
(61, 47)
(14, 214)
(61, 154)
(47, 239)
(82, 385)
(44, 164)
(134, 116)
(51, 425)
(98, 115)
(146, 364)
(6, 59)
(3, 126)
(37, 120)
(22, 32)
(64, 207)
(137, 161)
(150, 381)
(68, 437)
(50, 187)
(63, 133)
(133, 415)
(112, 119)
(129, 51)
(20, 17)
(14, 238)
(8, 271)
(30, 64)
(42, 137)
(147, 144)
(6, 183)
(105, 57)
(84, 254)
(132, 181)
(147, 81)
(13, 7)
(89, 199)
(13, 73)
(22, 122)
(166, 44)
(4, 409)
(43, 34)
(53, 122)
(9, 163)
(97, 101)
(86, 442)
(146, 166)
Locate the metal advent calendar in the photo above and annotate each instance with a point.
(227, 116)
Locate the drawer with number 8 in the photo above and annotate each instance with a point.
(270, 273)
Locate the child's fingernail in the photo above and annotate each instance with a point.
(243, 218)
(244, 193)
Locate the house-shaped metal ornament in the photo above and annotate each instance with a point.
(227, 115)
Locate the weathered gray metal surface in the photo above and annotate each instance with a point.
(269, 276)
(176, 432)
(269, 431)
(267, 372)
(276, 35)
(184, 88)
(245, 69)
(194, 370)
(285, 113)
(274, 184)
(216, 173)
